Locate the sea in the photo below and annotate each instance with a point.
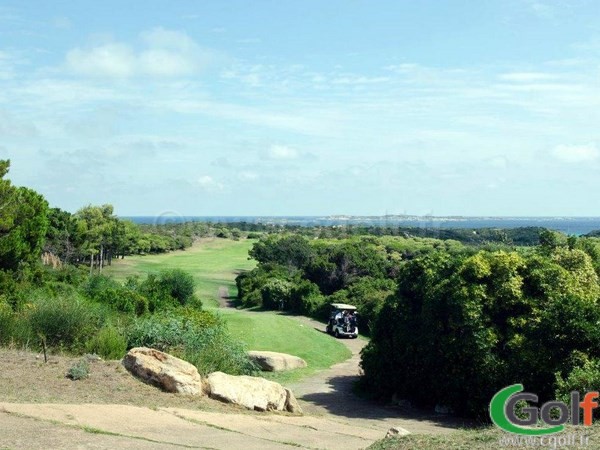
(569, 225)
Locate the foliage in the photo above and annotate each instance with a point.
(23, 223)
(468, 325)
(63, 321)
(109, 343)
(198, 337)
(177, 284)
(583, 377)
(106, 290)
(80, 370)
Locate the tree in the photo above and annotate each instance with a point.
(23, 223)
(97, 224)
(61, 235)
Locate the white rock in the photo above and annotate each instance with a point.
(275, 362)
(396, 432)
(251, 392)
(163, 370)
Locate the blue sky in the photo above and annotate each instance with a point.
(304, 107)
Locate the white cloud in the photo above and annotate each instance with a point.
(167, 53)
(527, 76)
(168, 39)
(114, 60)
(248, 176)
(282, 152)
(576, 153)
(165, 63)
(542, 9)
(208, 183)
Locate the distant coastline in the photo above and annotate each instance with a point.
(568, 225)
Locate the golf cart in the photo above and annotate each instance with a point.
(342, 321)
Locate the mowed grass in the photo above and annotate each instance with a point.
(215, 263)
(268, 330)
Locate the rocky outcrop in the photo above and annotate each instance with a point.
(275, 362)
(251, 392)
(163, 370)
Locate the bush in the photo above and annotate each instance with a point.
(80, 370)
(7, 322)
(275, 293)
(305, 297)
(106, 290)
(468, 325)
(109, 343)
(178, 284)
(584, 377)
(214, 350)
(199, 337)
(64, 321)
(167, 289)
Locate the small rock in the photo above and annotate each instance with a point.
(396, 432)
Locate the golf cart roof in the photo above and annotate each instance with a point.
(343, 306)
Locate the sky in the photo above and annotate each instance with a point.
(304, 107)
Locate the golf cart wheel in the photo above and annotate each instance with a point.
(337, 334)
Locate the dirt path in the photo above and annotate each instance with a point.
(225, 300)
(328, 394)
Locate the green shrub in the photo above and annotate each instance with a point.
(7, 321)
(106, 290)
(64, 321)
(583, 377)
(109, 343)
(199, 337)
(305, 297)
(214, 350)
(80, 370)
(468, 325)
(275, 293)
(178, 284)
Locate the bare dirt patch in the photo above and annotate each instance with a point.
(27, 379)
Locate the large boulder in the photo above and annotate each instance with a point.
(163, 370)
(251, 392)
(275, 362)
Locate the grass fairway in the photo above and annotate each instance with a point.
(267, 330)
(215, 263)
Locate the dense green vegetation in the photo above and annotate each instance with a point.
(63, 306)
(463, 321)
